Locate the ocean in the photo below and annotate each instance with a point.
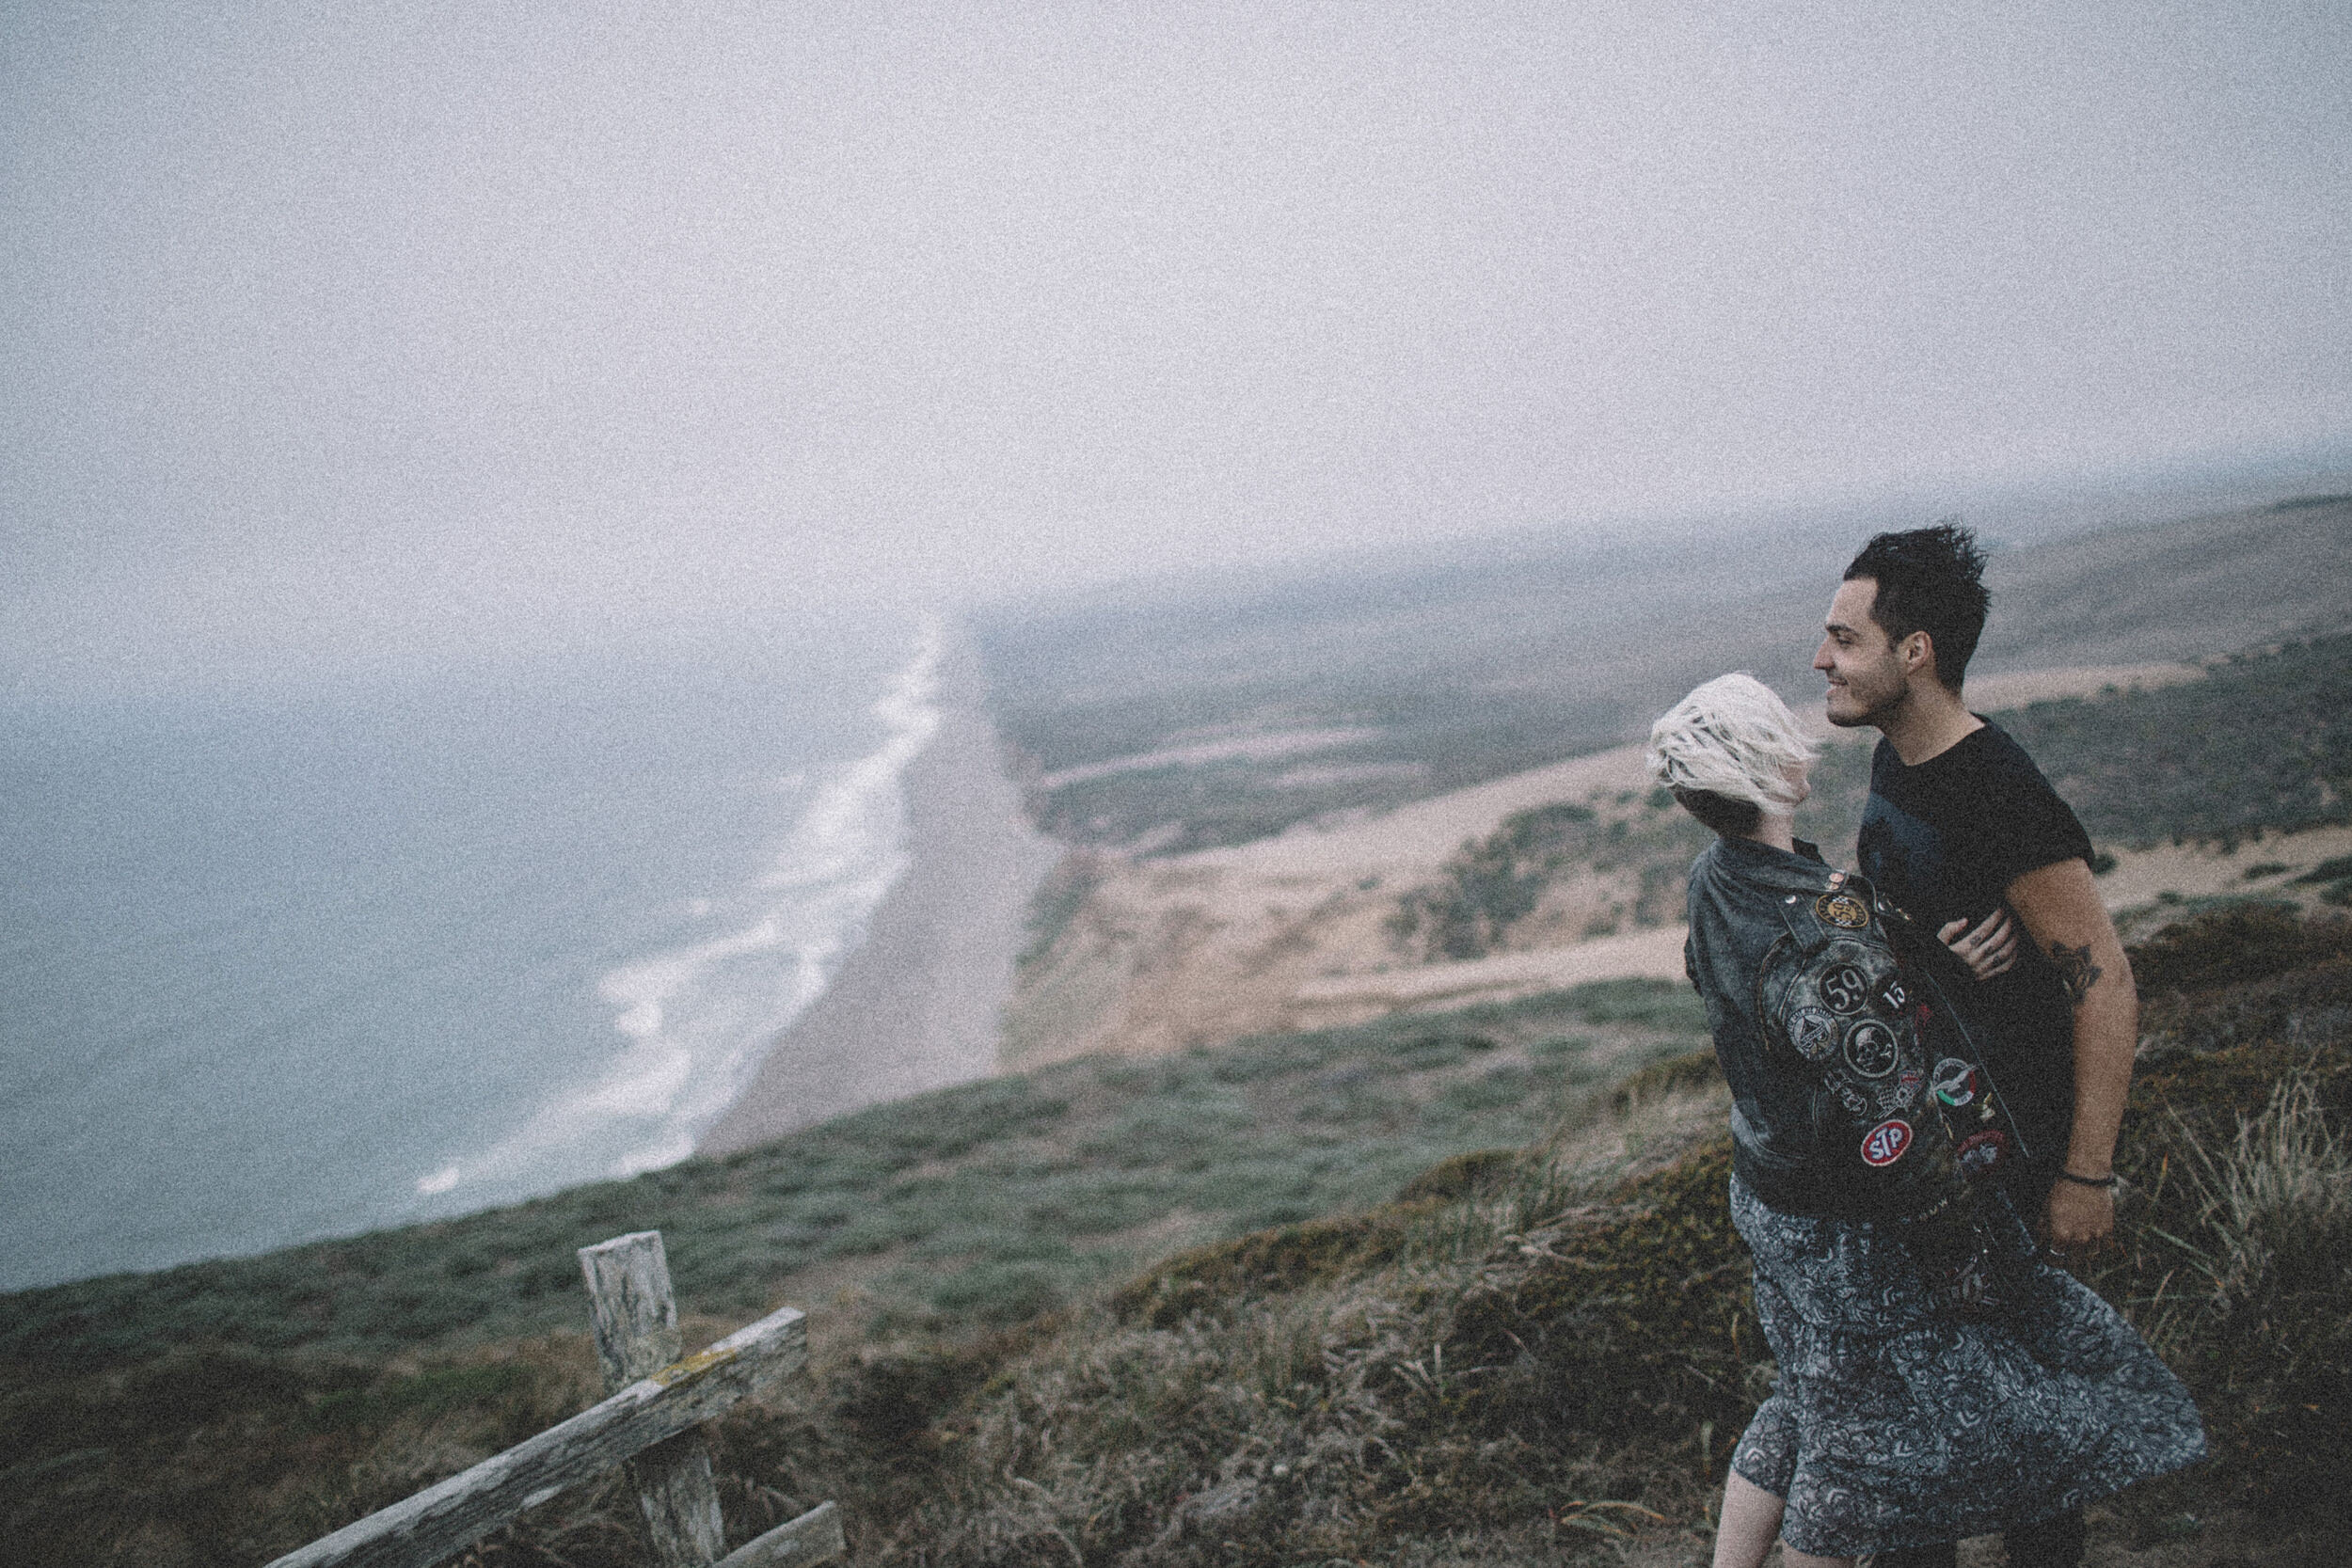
(279, 968)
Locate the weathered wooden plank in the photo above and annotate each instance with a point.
(814, 1537)
(443, 1519)
(633, 1309)
(635, 1313)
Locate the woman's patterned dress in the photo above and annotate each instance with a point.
(1897, 1422)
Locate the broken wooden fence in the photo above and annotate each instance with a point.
(651, 1422)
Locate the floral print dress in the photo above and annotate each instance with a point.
(1899, 1422)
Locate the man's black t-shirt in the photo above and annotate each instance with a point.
(1944, 840)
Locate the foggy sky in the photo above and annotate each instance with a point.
(345, 331)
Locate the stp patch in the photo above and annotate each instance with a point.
(1885, 1144)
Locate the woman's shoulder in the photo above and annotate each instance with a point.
(1738, 864)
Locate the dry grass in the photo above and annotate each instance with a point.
(1534, 1355)
(2275, 1200)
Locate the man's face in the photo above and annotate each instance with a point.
(1865, 674)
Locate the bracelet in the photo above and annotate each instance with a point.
(2065, 1175)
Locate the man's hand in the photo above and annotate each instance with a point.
(2080, 1218)
(1989, 949)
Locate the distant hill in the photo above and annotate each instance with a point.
(1186, 720)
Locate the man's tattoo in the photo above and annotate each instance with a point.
(2076, 970)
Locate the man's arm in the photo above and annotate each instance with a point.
(2062, 915)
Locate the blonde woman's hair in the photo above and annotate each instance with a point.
(1733, 740)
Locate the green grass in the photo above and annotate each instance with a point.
(1538, 1366)
(1530, 1350)
(227, 1411)
(976, 1203)
(2263, 744)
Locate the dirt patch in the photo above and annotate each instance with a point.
(1989, 693)
(1298, 931)
(2147, 889)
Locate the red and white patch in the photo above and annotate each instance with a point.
(1981, 1152)
(1885, 1144)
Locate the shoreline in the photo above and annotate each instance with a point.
(921, 1002)
(915, 1006)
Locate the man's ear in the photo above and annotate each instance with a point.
(1917, 652)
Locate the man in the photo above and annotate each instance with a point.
(1960, 822)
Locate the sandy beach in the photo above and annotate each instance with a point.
(917, 1006)
(1171, 952)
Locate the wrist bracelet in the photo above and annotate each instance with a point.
(2065, 1175)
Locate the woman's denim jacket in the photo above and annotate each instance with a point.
(1817, 1033)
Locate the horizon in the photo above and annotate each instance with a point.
(354, 338)
(2007, 517)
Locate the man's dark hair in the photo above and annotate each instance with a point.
(1931, 580)
(1733, 818)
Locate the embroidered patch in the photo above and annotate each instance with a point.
(1955, 1082)
(1871, 1049)
(1899, 1094)
(1813, 1031)
(1851, 1099)
(1842, 909)
(1892, 998)
(1844, 988)
(1980, 1153)
(1885, 1144)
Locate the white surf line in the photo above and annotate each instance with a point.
(844, 855)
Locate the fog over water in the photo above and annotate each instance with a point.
(390, 331)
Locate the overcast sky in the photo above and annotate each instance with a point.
(352, 328)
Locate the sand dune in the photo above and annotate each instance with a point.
(1293, 931)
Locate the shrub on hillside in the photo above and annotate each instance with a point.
(2264, 743)
(2233, 944)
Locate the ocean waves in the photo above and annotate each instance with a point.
(693, 1019)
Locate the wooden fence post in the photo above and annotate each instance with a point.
(637, 1335)
(652, 1420)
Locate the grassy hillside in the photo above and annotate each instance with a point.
(1444, 1288)
(1519, 1355)
(2263, 744)
(1262, 707)
(980, 1203)
(1572, 1355)
(222, 1412)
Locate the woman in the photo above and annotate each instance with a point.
(1938, 1379)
